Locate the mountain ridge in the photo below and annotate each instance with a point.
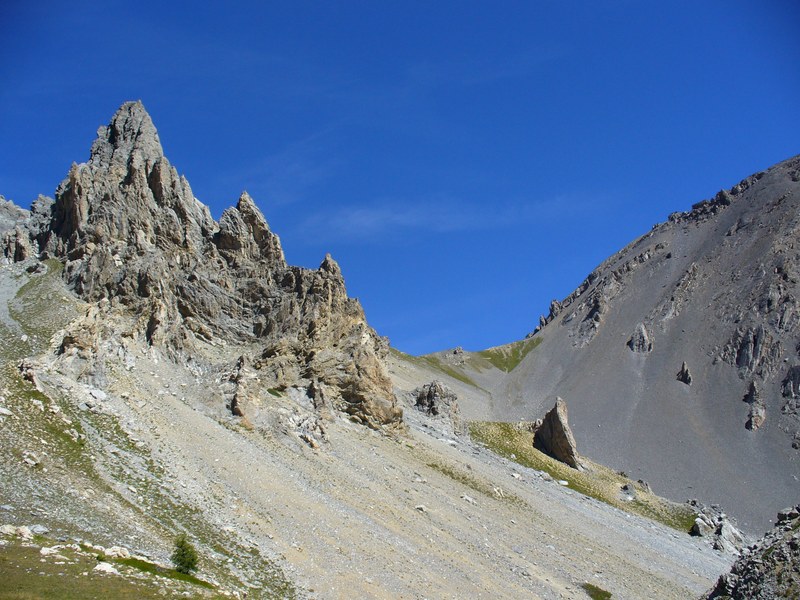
(715, 288)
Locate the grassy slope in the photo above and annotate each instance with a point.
(597, 481)
(504, 358)
(507, 358)
(26, 575)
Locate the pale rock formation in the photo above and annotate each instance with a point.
(640, 340)
(436, 399)
(134, 240)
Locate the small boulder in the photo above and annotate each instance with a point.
(758, 411)
(106, 568)
(684, 376)
(118, 552)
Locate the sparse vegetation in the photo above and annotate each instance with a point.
(598, 482)
(507, 358)
(155, 569)
(473, 482)
(24, 575)
(431, 361)
(184, 557)
(596, 593)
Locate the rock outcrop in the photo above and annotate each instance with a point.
(134, 239)
(684, 376)
(713, 524)
(640, 340)
(554, 436)
(758, 411)
(437, 400)
(768, 569)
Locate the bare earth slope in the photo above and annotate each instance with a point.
(715, 288)
(155, 452)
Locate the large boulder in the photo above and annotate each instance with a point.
(437, 400)
(554, 436)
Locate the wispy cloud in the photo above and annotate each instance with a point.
(385, 219)
(287, 176)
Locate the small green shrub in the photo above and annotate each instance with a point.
(596, 593)
(184, 556)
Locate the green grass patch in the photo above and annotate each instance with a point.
(507, 358)
(431, 361)
(25, 576)
(43, 305)
(275, 392)
(597, 481)
(596, 593)
(155, 569)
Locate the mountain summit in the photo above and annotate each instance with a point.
(134, 238)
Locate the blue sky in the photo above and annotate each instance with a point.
(465, 162)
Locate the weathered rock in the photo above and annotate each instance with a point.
(554, 436)
(684, 375)
(117, 552)
(752, 350)
(790, 387)
(703, 526)
(771, 567)
(758, 411)
(713, 524)
(436, 399)
(135, 241)
(640, 340)
(106, 568)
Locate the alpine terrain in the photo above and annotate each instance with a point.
(167, 376)
(679, 356)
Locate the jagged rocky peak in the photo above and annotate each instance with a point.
(130, 139)
(130, 231)
(127, 193)
(243, 232)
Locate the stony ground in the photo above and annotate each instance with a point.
(422, 514)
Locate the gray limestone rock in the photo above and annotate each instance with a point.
(684, 376)
(769, 569)
(712, 523)
(758, 411)
(135, 240)
(436, 399)
(554, 436)
(640, 340)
